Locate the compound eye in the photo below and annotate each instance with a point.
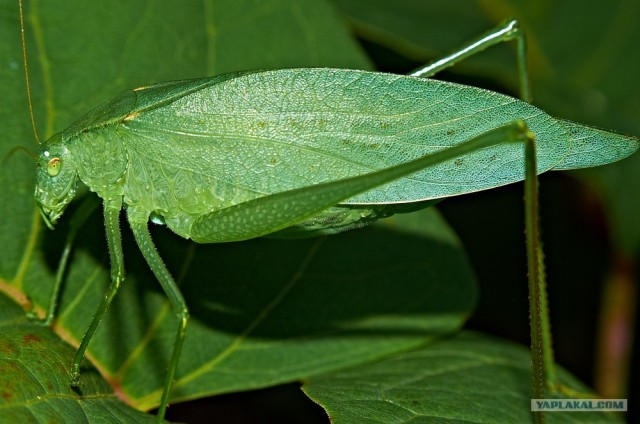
(53, 167)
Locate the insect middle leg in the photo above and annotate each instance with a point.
(89, 204)
(112, 208)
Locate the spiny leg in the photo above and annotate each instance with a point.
(541, 340)
(112, 209)
(148, 249)
(507, 31)
(537, 285)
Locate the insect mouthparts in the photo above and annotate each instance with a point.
(45, 218)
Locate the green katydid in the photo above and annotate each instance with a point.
(339, 126)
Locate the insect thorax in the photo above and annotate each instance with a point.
(101, 159)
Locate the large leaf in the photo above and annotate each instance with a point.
(34, 378)
(271, 311)
(470, 378)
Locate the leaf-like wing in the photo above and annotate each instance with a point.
(267, 132)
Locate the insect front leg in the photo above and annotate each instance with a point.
(112, 209)
(140, 230)
(77, 221)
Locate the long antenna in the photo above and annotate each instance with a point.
(22, 149)
(26, 72)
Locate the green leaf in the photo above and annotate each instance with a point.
(470, 378)
(34, 378)
(271, 311)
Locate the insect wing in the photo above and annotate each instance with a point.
(268, 132)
